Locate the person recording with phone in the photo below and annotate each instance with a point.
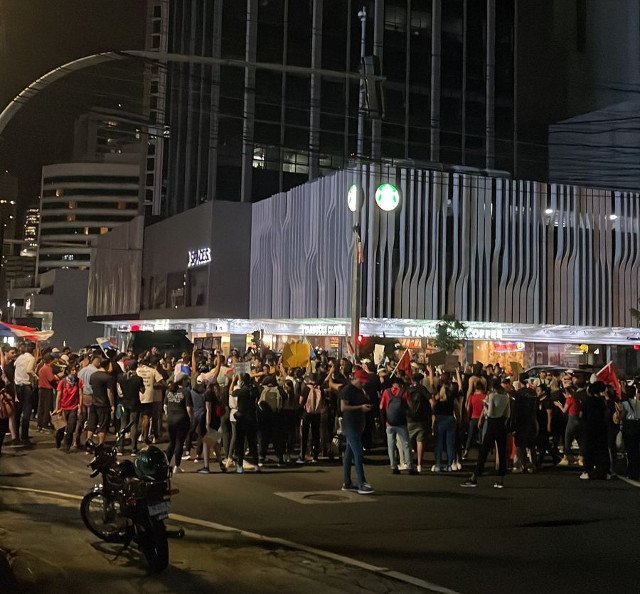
(354, 405)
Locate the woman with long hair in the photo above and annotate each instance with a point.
(444, 423)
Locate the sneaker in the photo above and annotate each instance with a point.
(584, 476)
(300, 461)
(395, 470)
(239, 470)
(419, 468)
(315, 460)
(456, 466)
(177, 469)
(402, 467)
(498, 485)
(449, 469)
(203, 470)
(580, 462)
(223, 468)
(350, 487)
(469, 483)
(229, 463)
(365, 489)
(186, 456)
(564, 462)
(257, 468)
(247, 465)
(435, 468)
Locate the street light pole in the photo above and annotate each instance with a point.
(356, 282)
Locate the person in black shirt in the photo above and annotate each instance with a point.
(131, 386)
(595, 417)
(246, 421)
(354, 405)
(177, 407)
(102, 403)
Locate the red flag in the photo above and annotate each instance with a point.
(608, 375)
(404, 364)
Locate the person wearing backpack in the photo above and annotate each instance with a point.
(418, 416)
(393, 412)
(269, 407)
(313, 403)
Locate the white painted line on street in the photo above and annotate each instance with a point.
(629, 481)
(383, 571)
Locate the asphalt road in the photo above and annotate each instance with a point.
(548, 533)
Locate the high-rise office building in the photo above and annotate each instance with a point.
(8, 199)
(243, 132)
(79, 202)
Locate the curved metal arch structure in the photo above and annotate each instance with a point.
(85, 62)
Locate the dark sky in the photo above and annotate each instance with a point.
(39, 35)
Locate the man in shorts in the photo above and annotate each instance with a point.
(102, 402)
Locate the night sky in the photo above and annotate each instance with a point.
(35, 37)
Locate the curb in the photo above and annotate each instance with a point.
(381, 571)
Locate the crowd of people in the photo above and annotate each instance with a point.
(203, 410)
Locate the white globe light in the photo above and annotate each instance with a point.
(613, 217)
(352, 198)
(387, 197)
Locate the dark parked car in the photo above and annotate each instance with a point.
(584, 373)
(174, 342)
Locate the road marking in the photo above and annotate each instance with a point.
(324, 497)
(382, 571)
(629, 481)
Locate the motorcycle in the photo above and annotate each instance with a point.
(132, 502)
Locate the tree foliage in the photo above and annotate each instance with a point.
(450, 334)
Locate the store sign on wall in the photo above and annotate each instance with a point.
(324, 329)
(508, 347)
(199, 257)
(471, 334)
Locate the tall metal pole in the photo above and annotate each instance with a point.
(356, 272)
(463, 140)
(362, 15)
(436, 62)
(490, 73)
(515, 88)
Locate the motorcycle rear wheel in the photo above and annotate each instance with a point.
(152, 541)
(103, 517)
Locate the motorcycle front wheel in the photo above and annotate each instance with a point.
(104, 518)
(152, 541)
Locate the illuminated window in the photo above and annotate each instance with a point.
(72, 205)
(122, 205)
(86, 231)
(104, 230)
(59, 192)
(71, 218)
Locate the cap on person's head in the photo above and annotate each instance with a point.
(362, 375)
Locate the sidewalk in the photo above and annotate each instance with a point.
(51, 552)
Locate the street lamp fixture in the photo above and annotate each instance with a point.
(548, 211)
(387, 197)
(353, 197)
(613, 217)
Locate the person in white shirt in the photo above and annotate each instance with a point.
(151, 378)
(24, 377)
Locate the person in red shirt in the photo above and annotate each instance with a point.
(47, 380)
(571, 408)
(475, 406)
(393, 412)
(69, 402)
